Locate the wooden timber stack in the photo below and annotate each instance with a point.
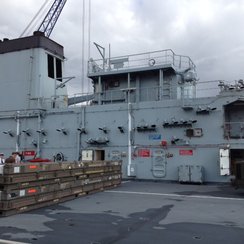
(28, 186)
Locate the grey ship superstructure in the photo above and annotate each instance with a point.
(143, 111)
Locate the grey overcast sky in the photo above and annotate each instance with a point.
(209, 31)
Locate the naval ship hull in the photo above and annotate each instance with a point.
(143, 111)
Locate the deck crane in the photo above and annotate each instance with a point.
(50, 19)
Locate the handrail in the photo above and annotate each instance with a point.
(153, 93)
(163, 57)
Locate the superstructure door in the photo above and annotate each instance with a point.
(159, 164)
(224, 159)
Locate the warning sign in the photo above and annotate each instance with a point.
(144, 153)
(186, 152)
(29, 153)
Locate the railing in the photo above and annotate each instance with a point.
(120, 96)
(234, 130)
(112, 96)
(164, 57)
(60, 101)
(150, 94)
(136, 95)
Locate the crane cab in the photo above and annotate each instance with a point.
(31, 72)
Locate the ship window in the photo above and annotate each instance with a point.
(114, 84)
(189, 132)
(50, 64)
(58, 69)
(52, 73)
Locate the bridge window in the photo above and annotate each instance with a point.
(50, 64)
(58, 69)
(54, 67)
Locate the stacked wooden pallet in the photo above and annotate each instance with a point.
(28, 186)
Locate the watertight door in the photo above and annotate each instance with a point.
(224, 159)
(159, 164)
(87, 155)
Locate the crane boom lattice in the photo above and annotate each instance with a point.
(51, 17)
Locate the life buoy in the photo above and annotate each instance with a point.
(59, 157)
(151, 62)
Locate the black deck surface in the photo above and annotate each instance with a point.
(136, 212)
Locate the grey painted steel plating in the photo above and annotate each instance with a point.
(140, 112)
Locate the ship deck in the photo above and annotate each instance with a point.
(136, 212)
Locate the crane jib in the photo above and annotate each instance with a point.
(51, 17)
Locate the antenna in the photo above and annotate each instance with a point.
(89, 40)
(83, 48)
